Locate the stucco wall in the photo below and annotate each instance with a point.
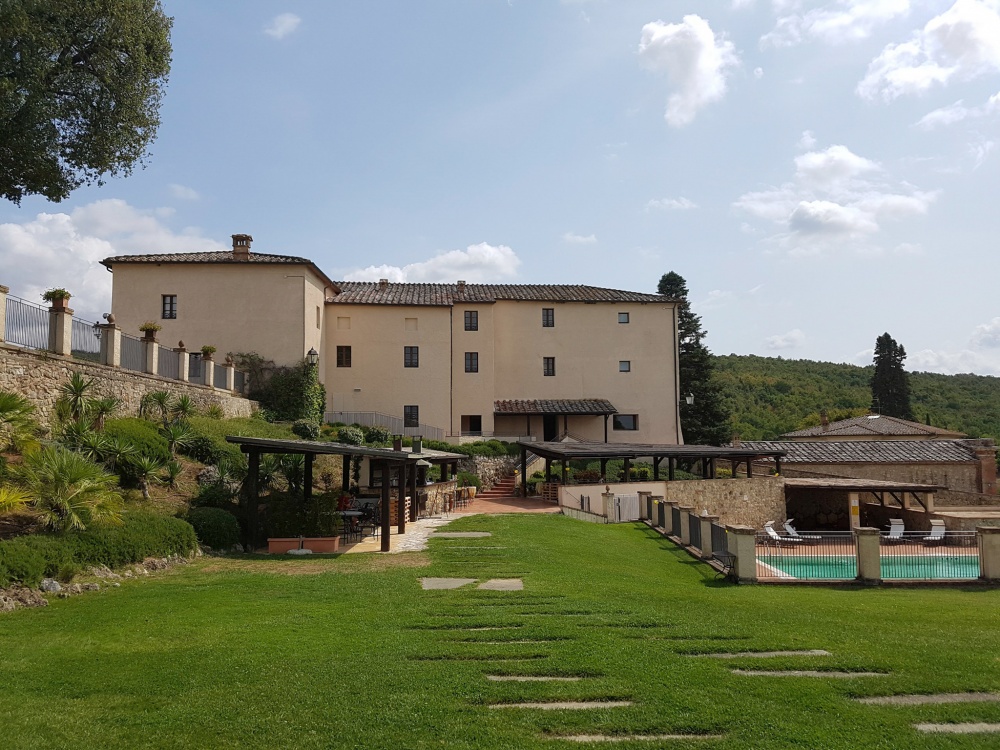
(38, 376)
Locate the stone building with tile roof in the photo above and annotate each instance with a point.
(450, 361)
(872, 427)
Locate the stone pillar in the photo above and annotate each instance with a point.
(706, 535)
(607, 503)
(989, 553)
(208, 371)
(929, 500)
(231, 386)
(743, 545)
(686, 525)
(660, 508)
(151, 355)
(868, 548)
(3, 312)
(668, 517)
(183, 363)
(854, 501)
(644, 503)
(61, 330)
(111, 345)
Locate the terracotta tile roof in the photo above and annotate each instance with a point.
(869, 451)
(873, 424)
(372, 293)
(555, 406)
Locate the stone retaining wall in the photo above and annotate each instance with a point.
(38, 376)
(490, 469)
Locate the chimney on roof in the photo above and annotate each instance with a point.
(461, 286)
(241, 246)
(383, 283)
(737, 442)
(824, 420)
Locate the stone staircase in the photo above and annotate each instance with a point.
(504, 488)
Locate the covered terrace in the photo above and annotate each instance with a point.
(406, 466)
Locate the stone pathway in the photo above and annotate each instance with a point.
(763, 654)
(925, 700)
(565, 705)
(584, 738)
(529, 678)
(502, 584)
(806, 673)
(438, 584)
(968, 728)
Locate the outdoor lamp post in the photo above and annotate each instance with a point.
(312, 356)
(689, 399)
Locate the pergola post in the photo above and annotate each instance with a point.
(656, 467)
(401, 500)
(606, 417)
(671, 468)
(524, 471)
(604, 469)
(564, 472)
(548, 470)
(251, 500)
(626, 470)
(386, 499)
(413, 492)
(307, 484)
(345, 478)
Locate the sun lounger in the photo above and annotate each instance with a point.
(793, 534)
(774, 536)
(937, 533)
(896, 530)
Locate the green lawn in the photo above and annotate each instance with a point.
(349, 652)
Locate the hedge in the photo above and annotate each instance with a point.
(215, 527)
(142, 434)
(29, 559)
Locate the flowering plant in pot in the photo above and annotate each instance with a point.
(150, 328)
(57, 297)
(207, 351)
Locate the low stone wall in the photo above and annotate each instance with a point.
(746, 502)
(489, 469)
(38, 376)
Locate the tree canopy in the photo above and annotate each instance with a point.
(81, 83)
(890, 383)
(704, 422)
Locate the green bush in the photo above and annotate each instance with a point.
(21, 562)
(351, 435)
(587, 476)
(306, 429)
(468, 479)
(209, 444)
(480, 448)
(377, 435)
(141, 535)
(141, 434)
(213, 496)
(215, 527)
(202, 448)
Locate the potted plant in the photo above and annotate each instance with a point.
(207, 351)
(149, 328)
(57, 297)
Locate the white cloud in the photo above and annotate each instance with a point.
(951, 363)
(835, 23)
(987, 335)
(716, 298)
(791, 340)
(282, 25)
(758, 73)
(695, 61)
(476, 264)
(579, 239)
(671, 204)
(836, 197)
(960, 44)
(808, 140)
(65, 250)
(183, 192)
(980, 150)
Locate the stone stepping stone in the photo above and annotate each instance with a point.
(763, 654)
(635, 737)
(530, 678)
(490, 627)
(438, 584)
(565, 705)
(970, 728)
(502, 584)
(806, 673)
(460, 534)
(925, 700)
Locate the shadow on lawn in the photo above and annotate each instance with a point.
(710, 577)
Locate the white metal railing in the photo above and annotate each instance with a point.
(395, 425)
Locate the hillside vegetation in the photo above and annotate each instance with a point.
(769, 396)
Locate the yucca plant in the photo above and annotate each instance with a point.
(214, 411)
(268, 471)
(100, 409)
(75, 394)
(145, 470)
(17, 422)
(172, 473)
(182, 408)
(13, 499)
(117, 453)
(75, 433)
(156, 403)
(293, 468)
(178, 435)
(91, 445)
(68, 491)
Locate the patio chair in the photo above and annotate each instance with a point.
(793, 534)
(775, 537)
(937, 533)
(896, 530)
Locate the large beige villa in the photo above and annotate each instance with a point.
(447, 360)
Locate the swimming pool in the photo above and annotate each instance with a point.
(839, 567)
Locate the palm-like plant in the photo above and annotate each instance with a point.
(182, 408)
(173, 471)
(117, 453)
(68, 491)
(268, 471)
(156, 402)
(100, 409)
(91, 445)
(17, 422)
(75, 434)
(13, 499)
(145, 471)
(293, 467)
(76, 395)
(178, 435)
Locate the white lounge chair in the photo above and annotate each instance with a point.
(774, 536)
(896, 529)
(937, 533)
(792, 533)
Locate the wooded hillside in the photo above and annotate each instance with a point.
(770, 396)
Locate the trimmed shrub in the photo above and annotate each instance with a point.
(351, 435)
(21, 562)
(306, 429)
(142, 434)
(468, 479)
(141, 535)
(215, 495)
(377, 435)
(587, 476)
(215, 527)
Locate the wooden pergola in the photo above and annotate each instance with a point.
(404, 463)
(706, 455)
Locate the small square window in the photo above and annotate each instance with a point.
(169, 306)
(548, 317)
(548, 366)
(624, 365)
(472, 361)
(411, 416)
(411, 356)
(625, 422)
(343, 356)
(623, 317)
(471, 320)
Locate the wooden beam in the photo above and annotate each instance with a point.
(401, 500)
(671, 468)
(413, 492)
(656, 467)
(524, 469)
(386, 499)
(251, 498)
(345, 479)
(307, 483)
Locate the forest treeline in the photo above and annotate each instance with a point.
(766, 396)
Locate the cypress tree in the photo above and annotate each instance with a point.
(890, 383)
(705, 422)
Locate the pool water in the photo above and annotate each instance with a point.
(832, 567)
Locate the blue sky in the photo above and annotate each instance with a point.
(819, 172)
